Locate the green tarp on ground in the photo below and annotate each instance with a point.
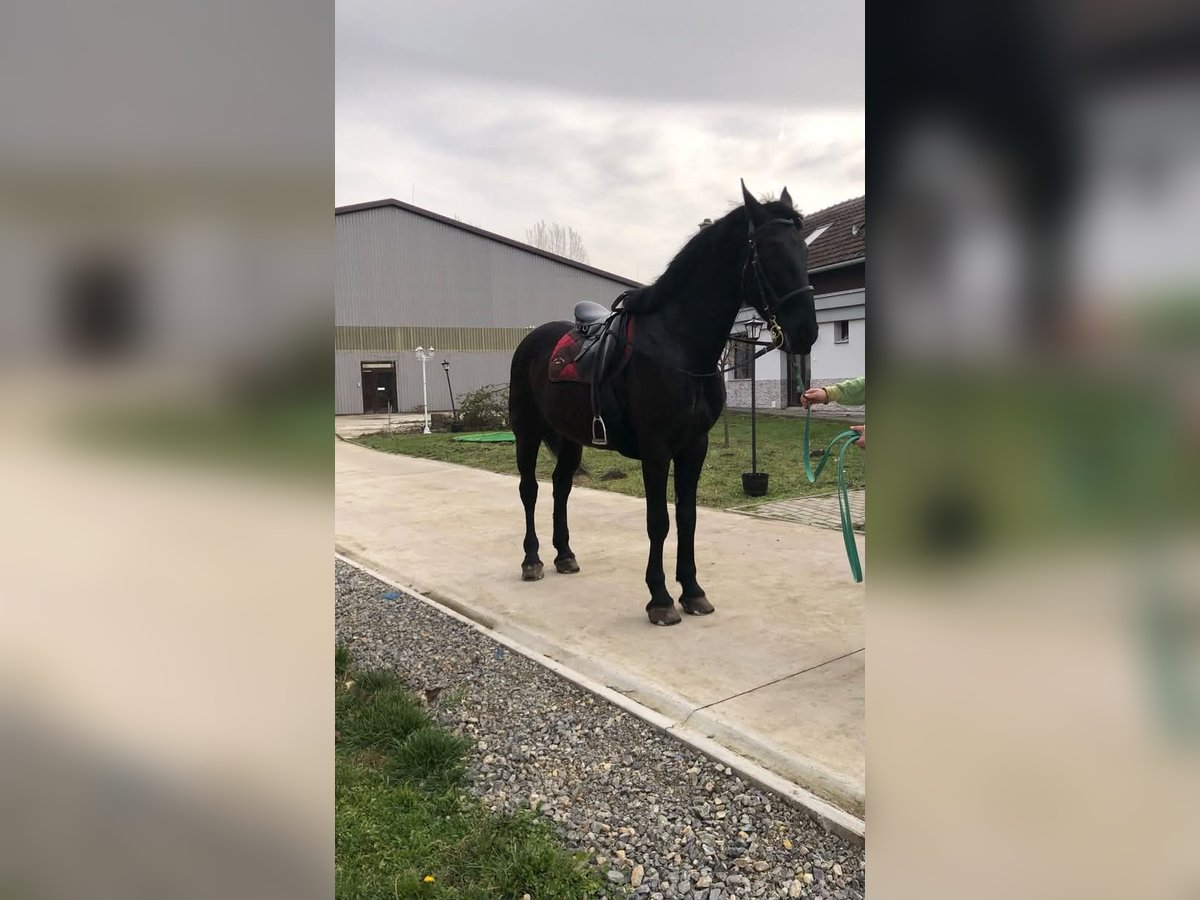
(489, 437)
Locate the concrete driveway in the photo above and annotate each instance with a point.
(354, 426)
(776, 674)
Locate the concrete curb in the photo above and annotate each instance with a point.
(670, 714)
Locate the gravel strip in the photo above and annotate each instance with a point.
(658, 818)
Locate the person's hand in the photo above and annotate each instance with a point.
(862, 441)
(813, 395)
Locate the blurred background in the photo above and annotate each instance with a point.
(165, 310)
(1034, 586)
(166, 193)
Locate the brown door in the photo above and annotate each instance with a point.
(379, 387)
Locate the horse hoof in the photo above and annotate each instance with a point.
(663, 615)
(566, 566)
(696, 606)
(532, 572)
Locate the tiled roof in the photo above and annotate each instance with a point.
(845, 238)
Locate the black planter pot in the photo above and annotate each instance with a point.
(755, 483)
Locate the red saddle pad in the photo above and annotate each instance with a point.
(562, 360)
(566, 352)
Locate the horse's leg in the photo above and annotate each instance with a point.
(688, 463)
(528, 442)
(661, 608)
(569, 455)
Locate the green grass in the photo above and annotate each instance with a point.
(780, 439)
(341, 660)
(381, 721)
(403, 817)
(288, 438)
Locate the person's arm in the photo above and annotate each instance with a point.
(848, 393)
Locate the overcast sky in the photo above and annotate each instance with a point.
(629, 121)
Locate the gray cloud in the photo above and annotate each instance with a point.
(774, 51)
(505, 115)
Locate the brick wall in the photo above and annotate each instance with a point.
(737, 394)
(822, 382)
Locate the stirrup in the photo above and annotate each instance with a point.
(599, 432)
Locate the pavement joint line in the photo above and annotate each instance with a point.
(735, 510)
(750, 506)
(838, 821)
(771, 682)
(534, 645)
(797, 770)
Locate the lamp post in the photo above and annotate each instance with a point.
(754, 483)
(425, 355)
(453, 408)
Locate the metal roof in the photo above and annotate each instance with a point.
(536, 251)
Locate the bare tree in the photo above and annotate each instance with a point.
(561, 239)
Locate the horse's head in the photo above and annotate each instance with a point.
(775, 282)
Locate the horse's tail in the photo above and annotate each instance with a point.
(523, 414)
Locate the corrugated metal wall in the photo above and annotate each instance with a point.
(404, 280)
(468, 371)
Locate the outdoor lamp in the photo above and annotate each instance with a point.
(754, 482)
(754, 328)
(454, 424)
(425, 354)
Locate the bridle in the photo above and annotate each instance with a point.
(766, 293)
(770, 301)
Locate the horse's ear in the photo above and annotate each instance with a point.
(753, 208)
(785, 197)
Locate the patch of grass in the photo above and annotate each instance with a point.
(429, 753)
(341, 660)
(380, 721)
(288, 438)
(405, 829)
(373, 681)
(780, 442)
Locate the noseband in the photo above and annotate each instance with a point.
(771, 302)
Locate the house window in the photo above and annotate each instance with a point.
(841, 332)
(740, 356)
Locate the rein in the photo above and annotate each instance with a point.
(765, 350)
(846, 439)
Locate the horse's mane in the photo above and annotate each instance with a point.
(724, 236)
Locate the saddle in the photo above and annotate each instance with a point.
(593, 352)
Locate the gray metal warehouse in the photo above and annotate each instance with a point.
(408, 277)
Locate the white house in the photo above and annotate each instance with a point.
(836, 238)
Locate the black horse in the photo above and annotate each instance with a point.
(671, 391)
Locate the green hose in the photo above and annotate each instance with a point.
(846, 439)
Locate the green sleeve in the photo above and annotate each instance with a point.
(849, 393)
